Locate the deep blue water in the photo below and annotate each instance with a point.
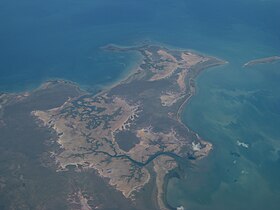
(62, 38)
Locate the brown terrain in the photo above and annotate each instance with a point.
(130, 136)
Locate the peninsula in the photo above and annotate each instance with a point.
(130, 135)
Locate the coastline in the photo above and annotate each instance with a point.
(184, 104)
(169, 176)
(131, 75)
(130, 70)
(174, 173)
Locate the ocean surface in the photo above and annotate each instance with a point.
(42, 40)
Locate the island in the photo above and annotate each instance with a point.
(114, 148)
(271, 59)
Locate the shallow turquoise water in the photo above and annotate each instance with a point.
(62, 38)
(229, 107)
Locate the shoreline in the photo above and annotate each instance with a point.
(122, 77)
(174, 173)
(127, 71)
(125, 75)
(195, 71)
(43, 85)
(167, 178)
(184, 104)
